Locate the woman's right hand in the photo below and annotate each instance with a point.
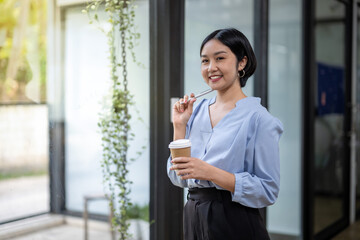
(181, 112)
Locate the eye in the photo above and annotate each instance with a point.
(204, 61)
(219, 58)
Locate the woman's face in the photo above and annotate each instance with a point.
(219, 66)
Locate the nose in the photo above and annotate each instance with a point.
(212, 66)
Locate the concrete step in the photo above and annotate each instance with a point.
(29, 225)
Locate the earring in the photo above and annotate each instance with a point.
(242, 74)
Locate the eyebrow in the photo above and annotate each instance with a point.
(217, 53)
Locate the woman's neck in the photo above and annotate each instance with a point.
(230, 95)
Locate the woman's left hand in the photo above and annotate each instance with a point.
(192, 168)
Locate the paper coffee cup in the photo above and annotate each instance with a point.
(180, 148)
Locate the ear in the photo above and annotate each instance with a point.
(242, 63)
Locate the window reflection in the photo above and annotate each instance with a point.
(24, 183)
(86, 83)
(285, 98)
(329, 119)
(198, 24)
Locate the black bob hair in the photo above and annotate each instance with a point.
(239, 45)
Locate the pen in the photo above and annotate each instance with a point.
(199, 95)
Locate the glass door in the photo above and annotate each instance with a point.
(331, 155)
(86, 83)
(24, 128)
(285, 80)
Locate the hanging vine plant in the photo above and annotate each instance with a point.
(114, 120)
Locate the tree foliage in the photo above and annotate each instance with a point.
(22, 48)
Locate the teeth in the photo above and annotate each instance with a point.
(213, 77)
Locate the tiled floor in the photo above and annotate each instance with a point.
(327, 209)
(59, 227)
(65, 232)
(70, 228)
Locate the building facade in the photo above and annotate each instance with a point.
(308, 76)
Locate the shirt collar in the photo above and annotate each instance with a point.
(255, 100)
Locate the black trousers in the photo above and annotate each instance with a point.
(210, 214)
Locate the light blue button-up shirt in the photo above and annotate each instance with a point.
(245, 142)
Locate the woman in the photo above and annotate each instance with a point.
(234, 165)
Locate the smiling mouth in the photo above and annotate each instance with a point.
(215, 78)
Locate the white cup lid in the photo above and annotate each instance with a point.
(180, 143)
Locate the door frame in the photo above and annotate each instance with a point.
(308, 140)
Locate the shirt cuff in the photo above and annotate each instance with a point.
(236, 196)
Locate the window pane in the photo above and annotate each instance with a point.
(285, 86)
(329, 117)
(23, 51)
(86, 75)
(86, 82)
(24, 147)
(202, 18)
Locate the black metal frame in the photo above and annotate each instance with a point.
(308, 116)
(57, 167)
(57, 143)
(23, 218)
(166, 81)
(261, 49)
(348, 108)
(261, 42)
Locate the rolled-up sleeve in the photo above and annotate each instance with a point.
(259, 186)
(174, 178)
